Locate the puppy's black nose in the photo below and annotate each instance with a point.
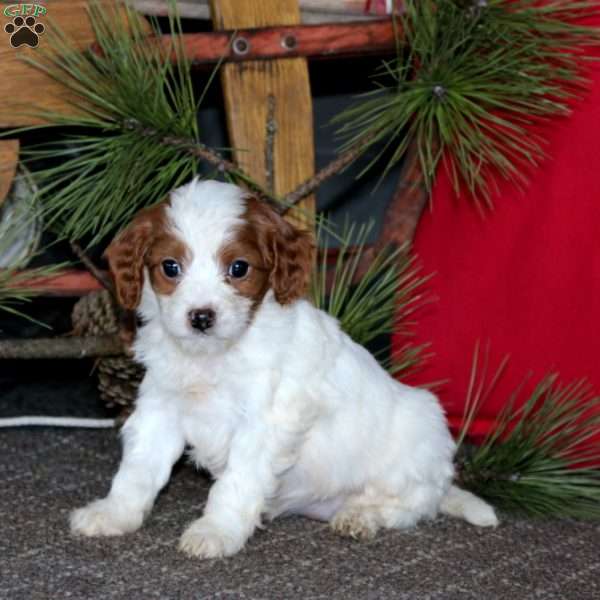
(202, 318)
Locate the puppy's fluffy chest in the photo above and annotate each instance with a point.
(213, 398)
(209, 423)
(209, 409)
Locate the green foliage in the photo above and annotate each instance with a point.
(128, 95)
(469, 79)
(382, 299)
(541, 458)
(16, 290)
(15, 282)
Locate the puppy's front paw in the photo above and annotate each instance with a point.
(205, 539)
(104, 517)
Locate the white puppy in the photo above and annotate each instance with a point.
(288, 413)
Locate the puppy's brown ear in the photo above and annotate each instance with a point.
(126, 254)
(288, 252)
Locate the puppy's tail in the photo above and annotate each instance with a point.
(467, 506)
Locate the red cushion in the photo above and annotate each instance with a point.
(525, 277)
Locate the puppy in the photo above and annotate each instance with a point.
(287, 413)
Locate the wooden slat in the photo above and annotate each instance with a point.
(319, 10)
(9, 157)
(310, 41)
(69, 282)
(268, 103)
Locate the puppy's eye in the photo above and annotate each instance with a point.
(238, 269)
(171, 268)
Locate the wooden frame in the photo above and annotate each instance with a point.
(337, 40)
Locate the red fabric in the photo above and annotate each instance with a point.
(525, 277)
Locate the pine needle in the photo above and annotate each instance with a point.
(542, 457)
(469, 81)
(16, 287)
(379, 304)
(108, 165)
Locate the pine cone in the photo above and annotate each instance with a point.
(118, 377)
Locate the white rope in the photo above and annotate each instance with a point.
(57, 422)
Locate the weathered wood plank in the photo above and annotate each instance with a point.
(311, 11)
(68, 282)
(311, 41)
(61, 347)
(268, 103)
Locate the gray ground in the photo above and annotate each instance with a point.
(46, 472)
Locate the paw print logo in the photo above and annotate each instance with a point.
(24, 31)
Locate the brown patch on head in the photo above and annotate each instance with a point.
(164, 246)
(146, 241)
(280, 256)
(245, 246)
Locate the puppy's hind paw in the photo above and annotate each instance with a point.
(355, 524)
(204, 539)
(104, 517)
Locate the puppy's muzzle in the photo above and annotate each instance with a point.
(202, 319)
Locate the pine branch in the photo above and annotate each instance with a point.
(333, 168)
(144, 139)
(468, 83)
(542, 458)
(194, 147)
(15, 290)
(99, 275)
(202, 151)
(101, 172)
(223, 165)
(376, 305)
